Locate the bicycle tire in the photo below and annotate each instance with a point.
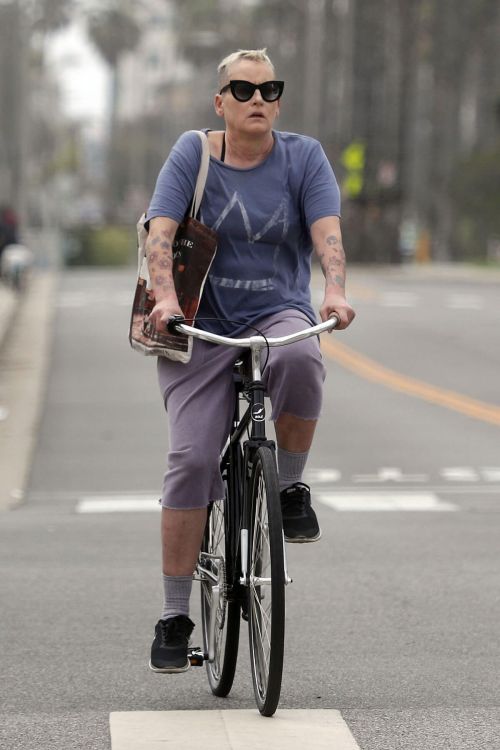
(216, 541)
(266, 600)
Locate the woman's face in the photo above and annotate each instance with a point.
(255, 117)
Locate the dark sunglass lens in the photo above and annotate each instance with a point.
(242, 90)
(270, 91)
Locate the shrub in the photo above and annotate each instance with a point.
(100, 246)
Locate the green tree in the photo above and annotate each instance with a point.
(24, 27)
(476, 195)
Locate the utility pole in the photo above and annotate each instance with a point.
(314, 62)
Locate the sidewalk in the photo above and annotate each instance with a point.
(7, 308)
(23, 368)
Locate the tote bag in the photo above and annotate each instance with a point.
(193, 251)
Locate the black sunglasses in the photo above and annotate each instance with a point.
(244, 90)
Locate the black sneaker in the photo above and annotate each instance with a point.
(299, 519)
(169, 652)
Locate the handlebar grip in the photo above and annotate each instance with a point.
(173, 322)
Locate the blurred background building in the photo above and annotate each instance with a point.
(403, 94)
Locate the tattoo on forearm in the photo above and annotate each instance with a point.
(340, 281)
(159, 255)
(332, 259)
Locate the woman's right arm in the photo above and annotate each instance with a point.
(159, 254)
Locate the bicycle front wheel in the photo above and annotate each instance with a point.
(266, 584)
(220, 617)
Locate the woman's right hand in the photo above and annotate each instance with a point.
(163, 311)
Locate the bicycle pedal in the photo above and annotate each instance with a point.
(196, 656)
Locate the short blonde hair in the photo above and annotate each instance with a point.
(255, 55)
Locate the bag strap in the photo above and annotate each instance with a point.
(202, 174)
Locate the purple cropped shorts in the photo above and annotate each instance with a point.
(199, 400)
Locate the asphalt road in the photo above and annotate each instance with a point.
(392, 618)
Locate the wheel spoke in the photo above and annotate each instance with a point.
(264, 628)
(225, 624)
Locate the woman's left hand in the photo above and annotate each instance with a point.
(336, 304)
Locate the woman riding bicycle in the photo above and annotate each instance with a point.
(272, 197)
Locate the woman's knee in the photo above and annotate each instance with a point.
(299, 363)
(193, 462)
(295, 382)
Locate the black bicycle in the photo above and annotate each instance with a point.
(242, 564)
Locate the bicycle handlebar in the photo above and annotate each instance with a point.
(175, 325)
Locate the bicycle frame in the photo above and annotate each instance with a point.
(254, 417)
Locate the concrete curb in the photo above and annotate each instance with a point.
(8, 300)
(24, 358)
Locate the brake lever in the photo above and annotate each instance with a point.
(173, 322)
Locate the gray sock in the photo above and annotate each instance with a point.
(176, 593)
(290, 467)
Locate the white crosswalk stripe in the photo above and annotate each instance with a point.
(118, 504)
(386, 488)
(90, 300)
(321, 729)
(398, 299)
(460, 474)
(390, 474)
(394, 298)
(384, 501)
(464, 302)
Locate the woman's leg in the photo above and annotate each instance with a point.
(294, 380)
(199, 403)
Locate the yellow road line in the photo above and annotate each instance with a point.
(370, 370)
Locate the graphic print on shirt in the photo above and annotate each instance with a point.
(279, 217)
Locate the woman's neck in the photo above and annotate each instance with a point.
(247, 152)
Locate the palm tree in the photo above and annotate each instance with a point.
(113, 32)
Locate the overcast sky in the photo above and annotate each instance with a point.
(83, 76)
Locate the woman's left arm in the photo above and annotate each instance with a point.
(327, 241)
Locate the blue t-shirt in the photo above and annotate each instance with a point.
(262, 217)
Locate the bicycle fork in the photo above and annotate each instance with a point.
(258, 439)
(244, 560)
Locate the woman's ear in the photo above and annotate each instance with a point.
(218, 105)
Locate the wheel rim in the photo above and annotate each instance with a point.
(215, 546)
(260, 592)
